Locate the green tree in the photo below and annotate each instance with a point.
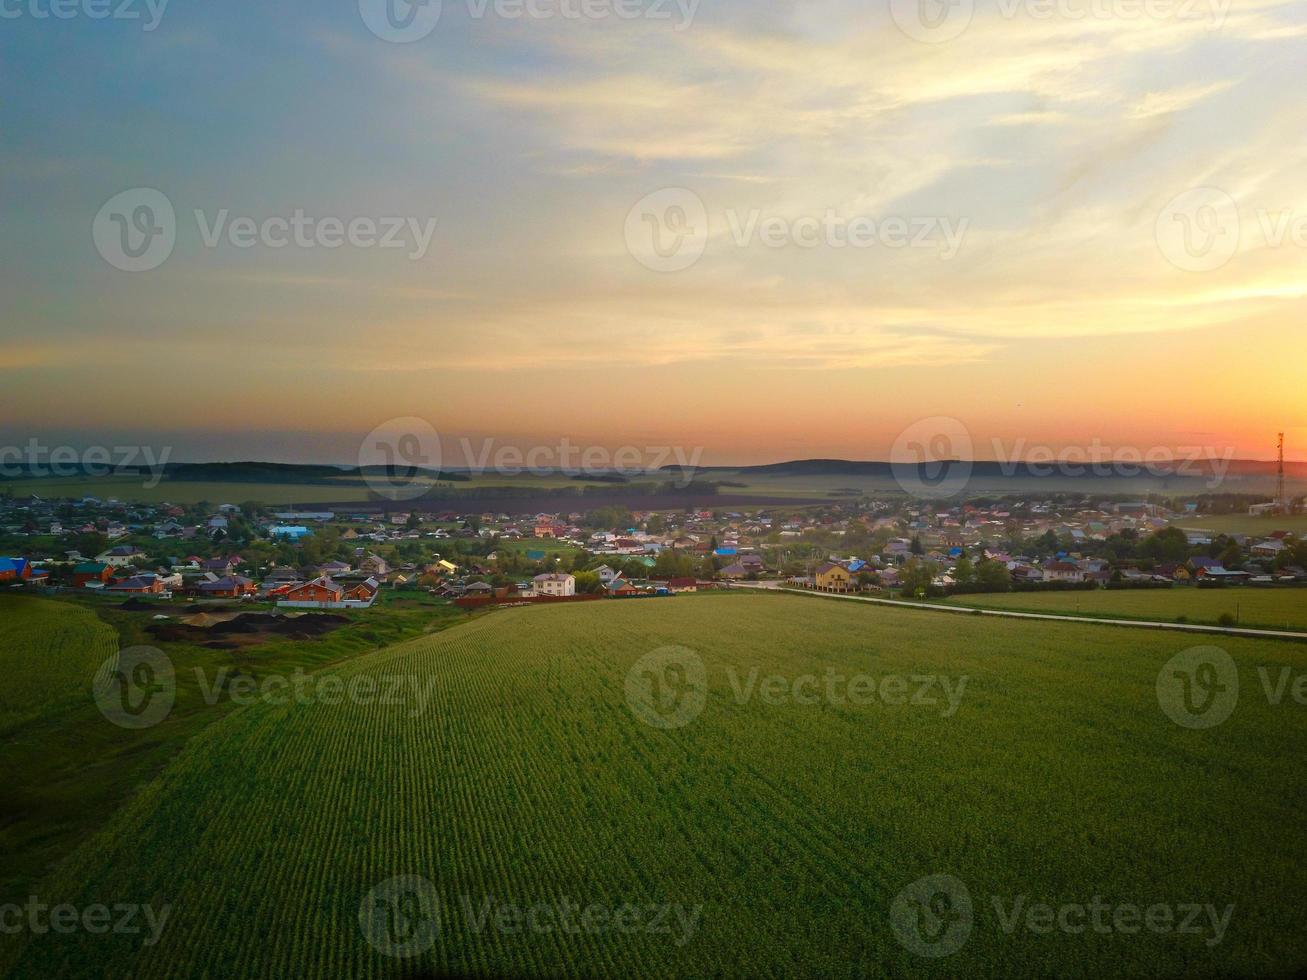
(993, 576)
(587, 583)
(964, 571)
(916, 576)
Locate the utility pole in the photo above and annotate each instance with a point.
(1280, 499)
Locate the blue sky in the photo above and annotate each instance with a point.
(1056, 146)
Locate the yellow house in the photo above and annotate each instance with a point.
(833, 578)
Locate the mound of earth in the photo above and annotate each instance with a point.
(139, 605)
(228, 631)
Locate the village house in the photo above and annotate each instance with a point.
(13, 570)
(320, 590)
(1063, 571)
(374, 565)
(120, 556)
(220, 566)
(555, 584)
(830, 577)
(227, 587)
(91, 574)
(139, 585)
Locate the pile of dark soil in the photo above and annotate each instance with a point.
(248, 629)
(140, 605)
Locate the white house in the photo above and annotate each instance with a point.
(606, 575)
(1063, 571)
(120, 556)
(556, 584)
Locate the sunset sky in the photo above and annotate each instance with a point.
(1060, 143)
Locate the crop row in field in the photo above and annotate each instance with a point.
(49, 651)
(791, 824)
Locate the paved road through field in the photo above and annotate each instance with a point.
(971, 611)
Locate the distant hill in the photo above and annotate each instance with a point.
(989, 468)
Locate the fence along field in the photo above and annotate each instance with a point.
(527, 778)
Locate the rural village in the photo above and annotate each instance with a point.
(298, 559)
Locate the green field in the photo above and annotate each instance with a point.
(182, 492)
(1260, 526)
(66, 769)
(529, 779)
(49, 651)
(349, 489)
(1269, 608)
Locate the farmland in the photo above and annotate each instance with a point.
(49, 652)
(1268, 608)
(1259, 525)
(66, 769)
(526, 779)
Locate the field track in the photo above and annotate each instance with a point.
(1253, 633)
